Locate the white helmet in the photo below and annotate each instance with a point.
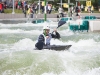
(46, 27)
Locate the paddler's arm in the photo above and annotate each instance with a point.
(55, 34)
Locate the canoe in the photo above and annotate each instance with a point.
(57, 47)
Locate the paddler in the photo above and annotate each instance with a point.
(45, 38)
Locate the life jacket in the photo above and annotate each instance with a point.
(46, 41)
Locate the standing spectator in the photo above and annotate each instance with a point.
(19, 4)
(42, 8)
(22, 5)
(46, 8)
(60, 10)
(1, 7)
(89, 9)
(26, 7)
(53, 8)
(24, 11)
(16, 4)
(92, 9)
(25, 4)
(49, 8)
(77, 10)
(36, 8)
(71, 10)
(5, 4)
(31, 12)
(82, 7)
(10, 4)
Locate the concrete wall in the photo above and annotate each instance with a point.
(17, 16)
(94, 25)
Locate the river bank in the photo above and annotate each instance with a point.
(20, 18)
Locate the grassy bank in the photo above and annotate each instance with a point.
(20, 11)
(10, 11)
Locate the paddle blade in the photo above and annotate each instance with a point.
(60, 23)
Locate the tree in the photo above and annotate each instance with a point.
(98, 2)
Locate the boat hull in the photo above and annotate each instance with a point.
(57, 47)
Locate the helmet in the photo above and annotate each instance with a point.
(46, 27)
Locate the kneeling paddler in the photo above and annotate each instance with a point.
(45, 38)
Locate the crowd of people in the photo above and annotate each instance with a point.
(33, 8)
(24, 5)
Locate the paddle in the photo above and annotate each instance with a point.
(60, 23)
(39, 45)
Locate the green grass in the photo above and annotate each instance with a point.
(20, 11)
(10, 10)
(93, 11)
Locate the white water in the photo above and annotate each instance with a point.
(18, 57)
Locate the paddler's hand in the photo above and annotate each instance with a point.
(47, 36)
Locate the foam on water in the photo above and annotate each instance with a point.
(24, 44)
(9, 31)
(17, 56)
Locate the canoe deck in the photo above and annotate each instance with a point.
(57, 47)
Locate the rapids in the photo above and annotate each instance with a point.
(17, 56)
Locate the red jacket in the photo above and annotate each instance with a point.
(0, 6)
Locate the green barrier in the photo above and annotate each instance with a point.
(66, 18)
(90, 17)
(84, 26)
(38, 21)
(74, 27)
(62, 18)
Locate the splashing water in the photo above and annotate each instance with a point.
(17, 56)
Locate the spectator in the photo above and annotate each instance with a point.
(31, 12)
(36, 8)
(49, 8)
(19, 4)
(16, 4)
(77, 10)
(24, 11)
(42, 8)
(1, 7)
(5, 4)
(60, 10)
(89, 9)
(92, 9)
(82, 8)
